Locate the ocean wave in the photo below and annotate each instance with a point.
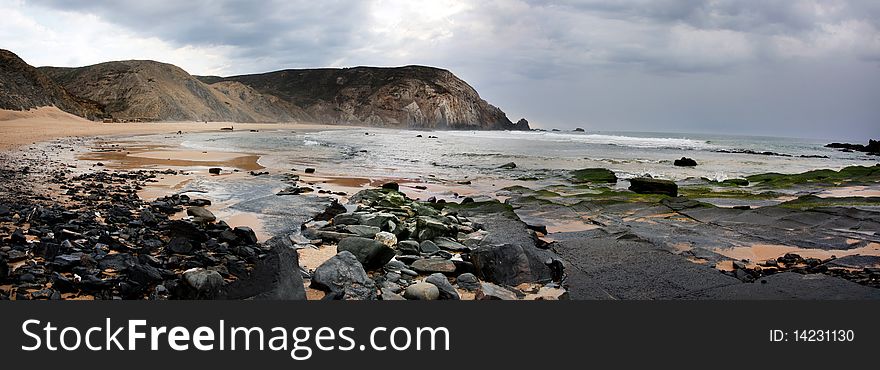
(599, 139)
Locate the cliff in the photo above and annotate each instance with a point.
(24, 87)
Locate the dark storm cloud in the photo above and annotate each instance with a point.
(295, 32)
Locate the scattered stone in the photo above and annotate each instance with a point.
(386, 238)
(422, 291)
(432, 265)
(214, 170)
(391, 186)
(468, 281)
(593, 175)
(447, 291)
(508, 166)
(309, 170)
(429, 247)
(363, 230)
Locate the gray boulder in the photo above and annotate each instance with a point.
(371, 253)
(204, 283)
(422, 291)
(432, 265)
(512, 264)
(343, 277)
(201, 214)
(275, 277)
(643, 185)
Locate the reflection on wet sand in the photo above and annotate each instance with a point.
(140, 156)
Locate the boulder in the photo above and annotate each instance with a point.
(644, 185)
(508, 166)
(344, 277)
(422, 291)
(201, 214)
(447, 291)
(391, 186)
(371, 253)
(450, 244)
(205, 284)
(276, 276)
(432, 265)
(188, 230)
(214, 170)
(245, 234)
(389, 295)
(511, 264)
(180, 245)
(685, 162)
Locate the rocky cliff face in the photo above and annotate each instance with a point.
(141, 89)
(24, 87)
(404, 97)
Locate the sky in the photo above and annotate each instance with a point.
(797, 68)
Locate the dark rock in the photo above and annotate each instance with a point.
(508, 165)
(468, 281)
(422, 291)
(347, 219)
(428, 246)
(510, 264)
(344, 277)
(246, 234)
(180, 245)
(4, 268)
(214, 170)
(447, 291)
(432, 265)
(18, 237)
(276, 276)
(389, 295)
(187, 230)
(578, 130)
(144, 274)
(643, 185)
(200, 202)
(370, 253)
(391, 186)
(736, 182)
(408, 247)
(331, 211)
(363, 230)
(310, 170)
(200, 214)
(685, 162)
(450, 244)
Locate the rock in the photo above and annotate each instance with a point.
(293, 190)
(386, 238)
(510, 264)
(344, 277)
(214, 170)
(432, 265)
(391, 186)
(578, 130)
(332, 210)
(422, 291)
(4, 268)
(371, 253)
(468, 281)
(389, 295)
(180, 245)
(408, 247)
(347, 219)
(428, 246)
(450, 244)
(508, 165)
(18, 237)
(205, 283)
(643, 185)
(593, 175)
(188, 230)
(200, 202)
(430, 228)
(310, 170)
(363, 230)
(276, 276)
(489, 291)
(246, 234)
(200, 214)
(447, 291)
(685, 162)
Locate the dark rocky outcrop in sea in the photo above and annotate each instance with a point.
(873, 147)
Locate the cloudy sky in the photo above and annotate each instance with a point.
(773, 67)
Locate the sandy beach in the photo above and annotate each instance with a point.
(47, 123)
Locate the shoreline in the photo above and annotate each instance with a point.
(558, 218)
